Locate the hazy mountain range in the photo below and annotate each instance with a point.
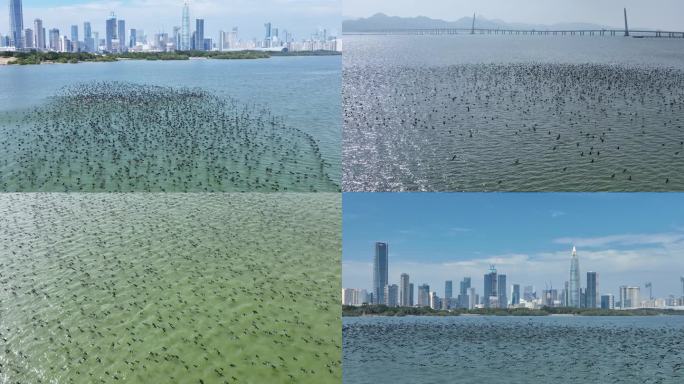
(380, 21)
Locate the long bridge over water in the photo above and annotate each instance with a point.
(499, 31)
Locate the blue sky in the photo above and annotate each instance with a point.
(301, 17)
(627, 238)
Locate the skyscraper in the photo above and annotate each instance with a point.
(502, 291)
(87, 30)
(607, 301)
(54, 40)
(267, 38)
(404, 293)
(88, 40)
(434, 301)
(223, 37)
(65, 44)
(629, 297)
(423, 295)
(347, 296)
(28, 38)
(411, 302)
(74, 38)
(199, 34)
(592, 291)
(490, 292)
(463, 292)
(177, 38)
(121, 35)
(233, 38)
(448, 289)
(74, 33)
(528, 293)
(185, 28)
(110, 33)
(472, 298)
(133, 39)
(39, 36)
(549, 297)
(574, 294)
(16, 23)
(380, 272)
(681, 280)
(515, 297)
(391, 295)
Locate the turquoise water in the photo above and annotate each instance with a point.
(302, 92)
(483, 349)
(166, 288)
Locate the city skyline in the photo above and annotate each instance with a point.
(665, 14)
(300, 20)
(534, 249)
(495, 291)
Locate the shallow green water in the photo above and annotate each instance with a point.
(160, 288)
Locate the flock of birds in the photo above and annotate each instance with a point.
(513, 350)
(528, 127)
(153, 288)
(121, 137)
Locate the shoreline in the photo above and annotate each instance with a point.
(384, 311)
(6, 60)
(38, 58)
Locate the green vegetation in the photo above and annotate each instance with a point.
(230, 55)
(36, 57)
(151, 56)
(383, 310)
(307, 53)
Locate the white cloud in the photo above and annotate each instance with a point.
(662, 239)
(556, 214)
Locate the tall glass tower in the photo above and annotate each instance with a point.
(592, 292)
(88, 37)
(121, 35)
(199, 34)
(185, 28)
(16, 23)
(574, 286)
(515, 297)
(502, 291)
(490, 290)
(404, 290)
(380, 276)
(38, 34)
(448, 289)
(110, 33)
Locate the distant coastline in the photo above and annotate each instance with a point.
(37, 58)
(385, 311)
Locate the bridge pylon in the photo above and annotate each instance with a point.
(472, 29)
(626, 27)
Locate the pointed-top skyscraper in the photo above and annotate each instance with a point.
(574, 287)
